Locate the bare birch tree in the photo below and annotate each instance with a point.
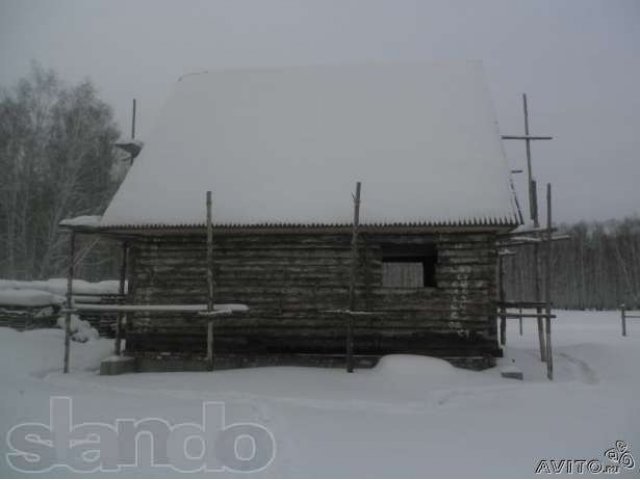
(56, 160)
(597, 268)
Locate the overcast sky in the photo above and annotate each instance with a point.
(578, 61)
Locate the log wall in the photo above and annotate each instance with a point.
(290, 281)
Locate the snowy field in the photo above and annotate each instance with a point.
(408, 417)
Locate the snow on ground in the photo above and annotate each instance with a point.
(410, 416)
(81, 330)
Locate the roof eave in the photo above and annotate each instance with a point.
(266, 229)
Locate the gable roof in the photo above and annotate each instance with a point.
(286, 146)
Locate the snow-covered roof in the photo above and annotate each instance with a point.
(286, 147)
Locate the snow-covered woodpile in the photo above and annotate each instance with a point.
(27, 308)
(26, 305)
(28, 318)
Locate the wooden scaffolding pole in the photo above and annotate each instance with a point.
(121, 291)
(624, 316)
(354, 276)
(547, 293)
(133, 120)
(533, 197)
(210, 283)
(67, 318)
(528, 138)
(520, 322)
(538, 297)
(501, 299)
(533, 212)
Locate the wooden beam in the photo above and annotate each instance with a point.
(529, 315)
(501, 299)
(354, 248)
(121, 291)
(521, 304)
(536, 266)
(547, 295)
(216, 313)
(209, 282)
(354, 275)
(516, 242)
(133, 120)
(522, 233)
(354, 313)
(528, 138)
(525, 137)
(67, 318)
(532, 183)
(350, 361)
(520, 322)
(186, 308)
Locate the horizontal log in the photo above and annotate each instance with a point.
(333, 279)
(182, 308)
(408, 339)
(395, 320)
(526, 315)
(250, 261)
(295, 297)
(279, 254)
(285, 304)
(403, 339)
(309, 237)
(466, 261)
(313, 290)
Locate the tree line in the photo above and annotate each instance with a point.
(57, 160)
(598, 267)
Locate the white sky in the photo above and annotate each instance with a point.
(578, 61)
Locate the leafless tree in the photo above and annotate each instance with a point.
(598, 268)
(57, 160)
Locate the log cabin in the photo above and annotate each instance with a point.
(281, 150)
